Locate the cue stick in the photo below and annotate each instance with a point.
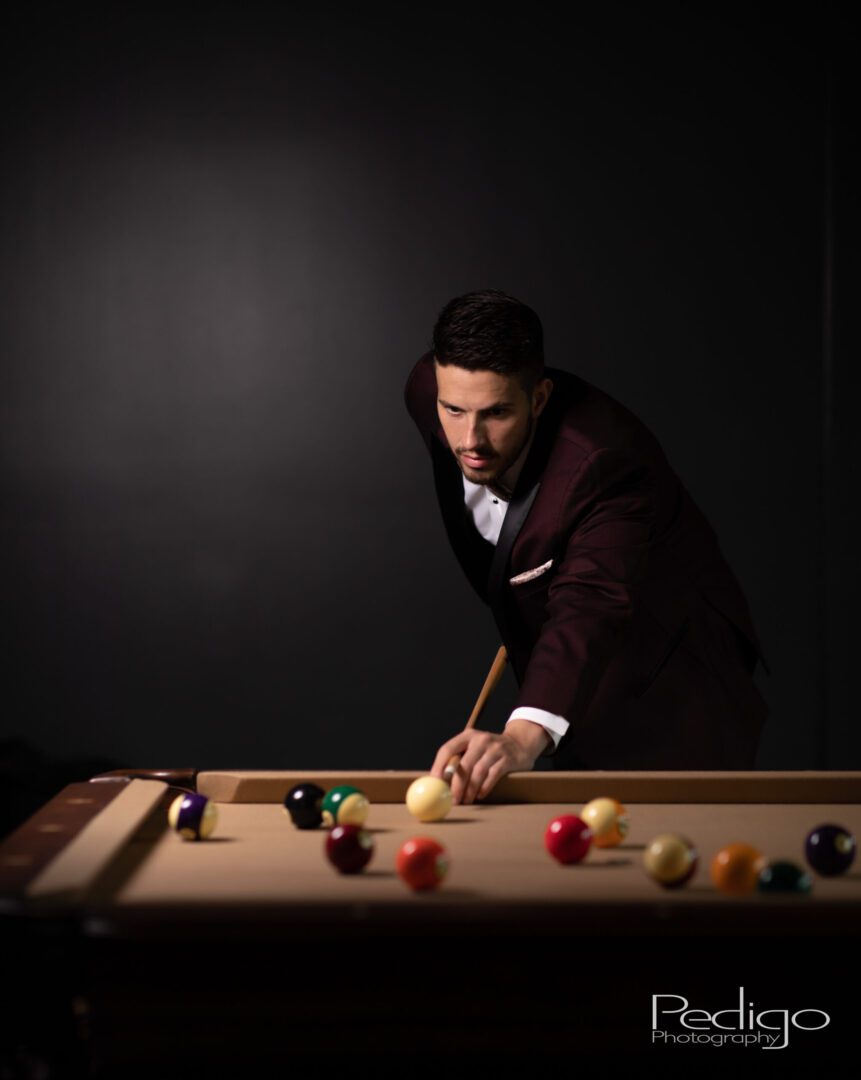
(490, 684)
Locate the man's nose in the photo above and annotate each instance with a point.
(474, 433)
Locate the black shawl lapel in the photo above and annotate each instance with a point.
(518, 509)
(512, 523)
(522, 499)
(473, 551)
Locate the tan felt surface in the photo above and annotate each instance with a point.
(497, 853)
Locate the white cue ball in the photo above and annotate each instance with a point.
(429, 798)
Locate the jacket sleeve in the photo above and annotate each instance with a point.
(608, 518)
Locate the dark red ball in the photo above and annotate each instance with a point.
(349, 848)
(568, 838)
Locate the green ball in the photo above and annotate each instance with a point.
(783, 876)
(345, 805)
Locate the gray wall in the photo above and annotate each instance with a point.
(225, 242)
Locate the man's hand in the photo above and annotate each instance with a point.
(487, 756)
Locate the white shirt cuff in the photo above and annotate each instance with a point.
(554, 725)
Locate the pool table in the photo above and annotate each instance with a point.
(249, 946)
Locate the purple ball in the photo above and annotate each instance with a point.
(830, 849)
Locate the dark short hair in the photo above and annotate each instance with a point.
(491, 331)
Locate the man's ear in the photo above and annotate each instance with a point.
(547, 386)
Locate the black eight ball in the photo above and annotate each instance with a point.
(304, 804)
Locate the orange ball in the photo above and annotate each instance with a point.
(735, 869)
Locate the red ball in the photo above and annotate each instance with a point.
(422, 863)
(349, 848)
(568, 838)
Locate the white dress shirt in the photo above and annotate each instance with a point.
(488, 509)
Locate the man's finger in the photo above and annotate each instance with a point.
(476, 761)
(494, 775)
(456, 745)
(458, 784)
(471, 755)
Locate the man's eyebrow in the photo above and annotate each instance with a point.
(496, 405)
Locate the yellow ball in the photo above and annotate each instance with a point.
(429, 798)
(670, 859)
(608, 820)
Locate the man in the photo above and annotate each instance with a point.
(628, 635)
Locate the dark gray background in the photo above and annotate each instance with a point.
(225, 240)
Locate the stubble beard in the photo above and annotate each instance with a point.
(494, 478)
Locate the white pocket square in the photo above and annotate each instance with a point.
(528, 575)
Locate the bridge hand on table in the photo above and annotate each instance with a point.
(487, 756)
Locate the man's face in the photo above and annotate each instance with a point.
(487, 418)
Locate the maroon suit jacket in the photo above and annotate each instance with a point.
(638, 633)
